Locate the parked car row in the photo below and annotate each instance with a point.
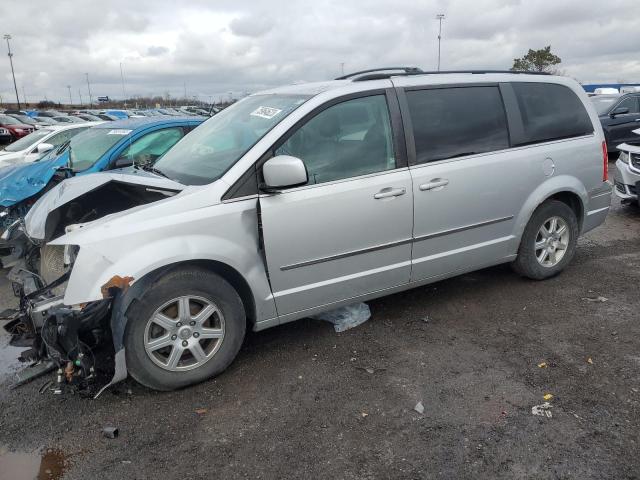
(289, 203)
(21, 123)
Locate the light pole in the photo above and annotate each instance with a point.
(70, 100)
(80, 96)
(439, 17)
(7, 37)
(124, 95)
(89, 88)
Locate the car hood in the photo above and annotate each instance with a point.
(23, 180)
(75, 187)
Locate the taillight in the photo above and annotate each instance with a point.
(605, 162)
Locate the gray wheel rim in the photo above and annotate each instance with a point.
(184, 333)
(552, 242)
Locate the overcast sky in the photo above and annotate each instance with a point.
(219, 46)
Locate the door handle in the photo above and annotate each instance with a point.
(390, 192)
(436, 183)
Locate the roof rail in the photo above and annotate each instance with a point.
(378, 73)
(406, 70)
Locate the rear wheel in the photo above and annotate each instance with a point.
(549, 241)
(187, 327)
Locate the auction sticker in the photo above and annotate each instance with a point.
(265, 112)
(119, 131)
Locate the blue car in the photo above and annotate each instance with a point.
(112, 145)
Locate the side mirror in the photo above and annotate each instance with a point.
(284, 171)
(44, 147)
(123, 162)
(619, 111)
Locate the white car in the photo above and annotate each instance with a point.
(36, 144)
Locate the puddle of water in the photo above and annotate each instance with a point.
(50, 464)
(9, 363)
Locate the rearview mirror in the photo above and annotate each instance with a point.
(619, 111)
(284, 171)
(44, 147)
(123, 162)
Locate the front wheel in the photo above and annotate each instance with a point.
(187, 327)
(549, 241)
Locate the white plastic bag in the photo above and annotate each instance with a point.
(344, 318)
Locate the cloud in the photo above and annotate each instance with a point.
(214, 48)
(156, 51)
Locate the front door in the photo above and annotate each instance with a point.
(621, 127)
(347, 232)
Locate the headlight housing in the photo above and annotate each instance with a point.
(624, 157)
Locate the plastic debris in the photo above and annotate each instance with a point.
(547, 396)
(364, 414)
(201, 411)
(110, 432)
(543, 410)
(589, 361)
(344, 318)
(419, 408)
(596, 299)
(542, 365)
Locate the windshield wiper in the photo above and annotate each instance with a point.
(152, 169)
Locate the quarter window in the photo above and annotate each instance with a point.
(550, 112)
(454, 122)
(346, 140)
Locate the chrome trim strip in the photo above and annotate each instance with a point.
(345, 255)
(392, 244)
(461, 229)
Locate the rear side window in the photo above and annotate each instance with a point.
(454, 122)
(550, 112)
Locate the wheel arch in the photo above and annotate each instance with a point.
(564, 188)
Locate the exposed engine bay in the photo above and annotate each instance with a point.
(57, 336)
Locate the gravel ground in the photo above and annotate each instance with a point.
(302, 401)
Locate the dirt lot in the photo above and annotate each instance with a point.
(301, 401)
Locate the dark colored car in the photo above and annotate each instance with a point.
(15, 127)
(27, 120)
(619, 116)
(5, 136)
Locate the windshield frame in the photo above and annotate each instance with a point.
(187, 178)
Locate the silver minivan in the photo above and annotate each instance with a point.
(305, 198)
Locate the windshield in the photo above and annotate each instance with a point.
(604, 103)
(211, 149)
(28, 141)
(87, 147)
(9, 120)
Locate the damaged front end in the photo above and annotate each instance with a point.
(56, 336)
(76, 339)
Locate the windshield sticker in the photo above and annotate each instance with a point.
(265, 112)
(119, 131)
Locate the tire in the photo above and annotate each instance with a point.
(201, 286)
(527, 262)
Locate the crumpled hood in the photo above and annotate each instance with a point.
(75, 187)
(23, 180)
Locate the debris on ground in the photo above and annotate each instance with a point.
(347, 317)
(201, 411)
(364, 414)
(589, 361)
(419, 408)
(110, 432)
(371, 370)
(547, 396)
(542, 365)
(596, 299)
(543, 410)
